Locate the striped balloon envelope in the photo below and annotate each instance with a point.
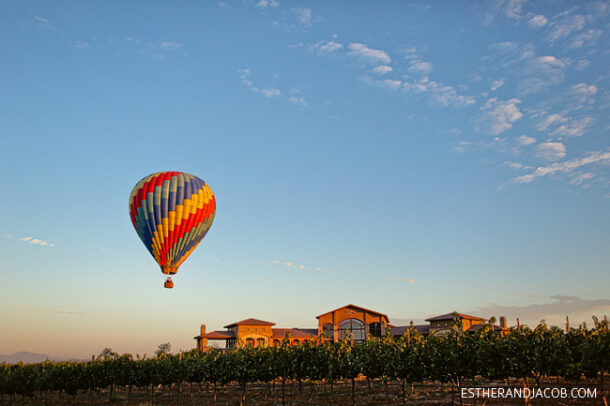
(171, 212)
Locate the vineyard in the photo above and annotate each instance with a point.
(411, 369)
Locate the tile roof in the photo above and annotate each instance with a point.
(356, 307)
(400, 330)
(294, 333)
(449, 316)
(251, 322)
(218, 335)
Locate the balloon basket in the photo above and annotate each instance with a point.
(169, 283)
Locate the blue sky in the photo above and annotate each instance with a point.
(414, 158)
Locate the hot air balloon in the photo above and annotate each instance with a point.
(171, 212)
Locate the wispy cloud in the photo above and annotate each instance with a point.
(44, 23)
(35, 241)
(540, 73)
(267, 3)
(587, 38)
(81, 44)
(326, 47)
(382, 69)
(525, 140)
(304, 16)
(402, 279)
(566, 168)
(566, 24)
(579, 310)
(419, 66)
(537, 21)
(292, 265)
(39, 310)
(368, 55)
(498, 116)
(551, 151)
(157, 50)
(298, 101)
(399, 278)
(268, 92)
(560, 126)
(41, 19)
(461, 146)
(437, 92)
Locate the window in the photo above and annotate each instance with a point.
(375, 329)
(276, 342)
(260, 342)
(250, 341)
(328, 331)
(354, 327)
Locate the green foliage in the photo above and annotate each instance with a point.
(522, 353)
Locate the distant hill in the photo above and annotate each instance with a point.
(32, 358)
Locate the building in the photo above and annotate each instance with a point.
(361, 324)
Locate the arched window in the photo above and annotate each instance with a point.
(276, 342)
(329, 332)
(355, 328)
(260, 342)
(250, 341)
(375, 329)
(294, 342)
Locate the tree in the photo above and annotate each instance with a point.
(163, 349)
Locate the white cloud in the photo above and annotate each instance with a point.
(270, 92)
(537, 21)
(266, 92)
(41, 19)
(581, 178)
(382, 69)
(574, 127)
(588, 37)
(565, 167)
(525, 140)
(168, 45)
(304, 16)
(222, 4)
(567, 24)
(267, 3)
(81, 44)
(512, 9)
(496, 84)
(513, 165)
(325, 47)
(541, 72)
(582, 64)
(560, 126)
(292, 265)
(583, 92)
(36, 241)
(420, 66)
(551, 151)
(438, 93)
(498, 116)
(367, 54)
(549, 120)
(402, 279)
(461, 146)
(389, 84)
(300, 101)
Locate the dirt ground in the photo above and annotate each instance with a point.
(310, 394)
